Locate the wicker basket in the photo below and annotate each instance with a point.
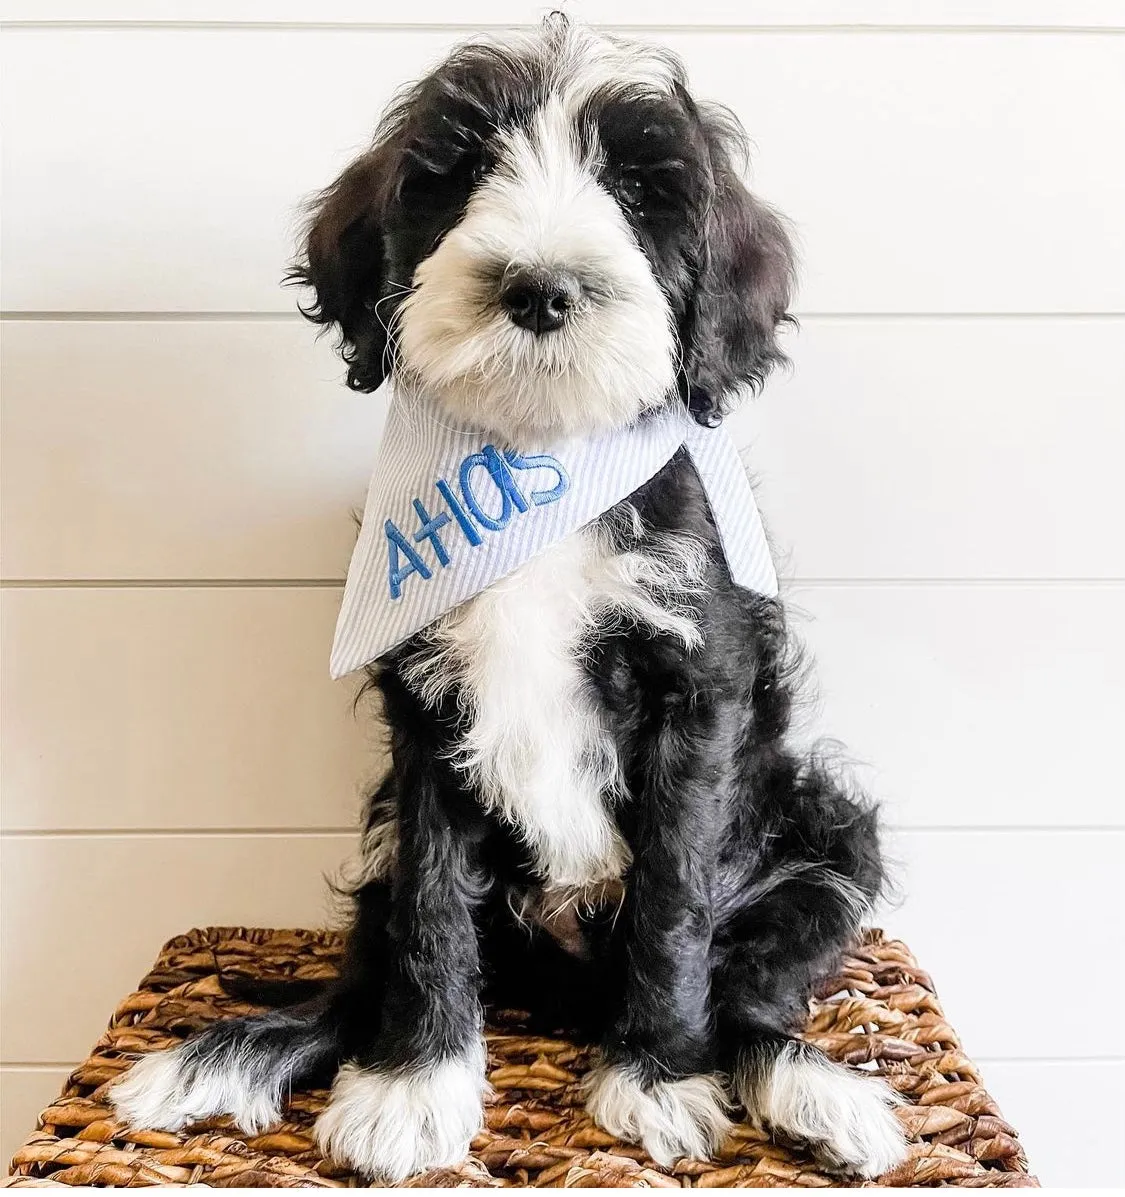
(881, 1010)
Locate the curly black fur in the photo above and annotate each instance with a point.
(753, 864)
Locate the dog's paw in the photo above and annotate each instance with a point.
(846, 1118)
(172, 1089)
(388, 1125)
(669, 1119)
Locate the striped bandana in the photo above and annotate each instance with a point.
(449, 512)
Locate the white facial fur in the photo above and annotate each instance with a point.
(542, 206)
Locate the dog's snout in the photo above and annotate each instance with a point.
(538, 300)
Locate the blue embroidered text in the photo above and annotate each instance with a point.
(490, 471)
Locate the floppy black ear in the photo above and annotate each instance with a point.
(343, 261)
(744, 279)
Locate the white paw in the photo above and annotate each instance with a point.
(669, 1119)
(171, 1089)
(845, 1117)
(390, 1125)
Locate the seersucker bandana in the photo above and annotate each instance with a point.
(449, 512)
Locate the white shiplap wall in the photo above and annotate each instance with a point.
(942, 469)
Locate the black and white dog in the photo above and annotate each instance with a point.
(593, 811)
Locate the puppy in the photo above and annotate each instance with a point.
(594, 812)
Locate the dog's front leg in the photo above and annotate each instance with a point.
(412, 1098)
(655, 1086)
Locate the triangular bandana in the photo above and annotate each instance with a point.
(449, 512)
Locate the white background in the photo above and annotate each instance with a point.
(943, 471)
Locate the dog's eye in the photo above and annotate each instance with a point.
(629, 190)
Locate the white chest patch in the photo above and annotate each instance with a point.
(537, 746)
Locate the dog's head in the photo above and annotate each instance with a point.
(550, 236)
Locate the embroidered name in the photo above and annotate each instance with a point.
(481, 479)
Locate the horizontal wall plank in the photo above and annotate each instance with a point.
(178, 708)
(982, 914)
(23, 1093)
(211, 708)
(195, 450)
(987, 914)
(83, 918)
(1069, 1116)
(944, 448)
(846, 14)
(909, 194)
(229, 449)
(973, 705)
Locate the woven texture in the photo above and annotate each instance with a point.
(880, 1010)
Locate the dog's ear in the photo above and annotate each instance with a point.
(744, 278)
(343, 261)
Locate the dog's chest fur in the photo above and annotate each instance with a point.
(537, 745)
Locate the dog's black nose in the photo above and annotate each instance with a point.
(539, 300)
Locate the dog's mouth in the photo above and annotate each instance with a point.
(540, 388)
